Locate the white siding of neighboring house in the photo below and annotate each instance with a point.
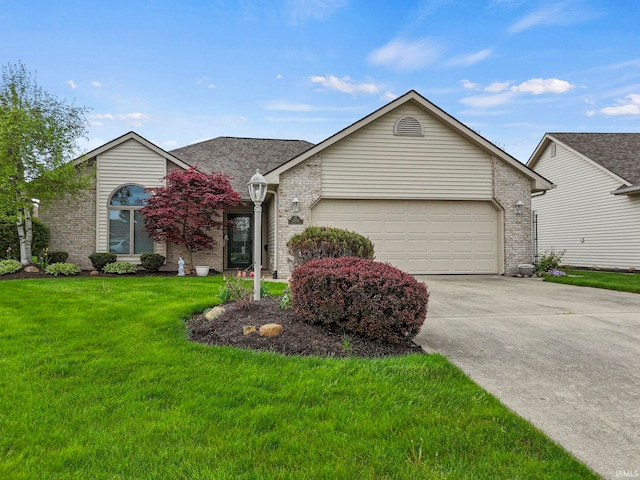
(582, 217)
(375, 163)
(127, 163)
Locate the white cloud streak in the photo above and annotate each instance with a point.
(304, 10)
(563, 13)
(470, 59)
(345, 85)
(406, 56)
(135, 119)
(96, 84)
(629, 106)
(72, 84)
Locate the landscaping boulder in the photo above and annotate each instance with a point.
(31, 269)
(214, 313)
(270, 330)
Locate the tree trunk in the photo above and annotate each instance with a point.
(25, 234)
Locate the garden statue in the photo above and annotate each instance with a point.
(180, 267)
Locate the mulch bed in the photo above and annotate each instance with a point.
(296, 338)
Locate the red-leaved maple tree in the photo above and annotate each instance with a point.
(187, 209)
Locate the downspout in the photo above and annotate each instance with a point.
(275, 247)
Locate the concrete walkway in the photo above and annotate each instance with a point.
(565, 358)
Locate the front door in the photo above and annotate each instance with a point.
(240, 244)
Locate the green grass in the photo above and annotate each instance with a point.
(624, 282)
(98, 380)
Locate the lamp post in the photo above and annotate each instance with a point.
(257, 192)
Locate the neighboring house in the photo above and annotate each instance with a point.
(433, 195)
(593, 214)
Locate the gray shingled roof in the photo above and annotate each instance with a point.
(617, 152)
(239, 157)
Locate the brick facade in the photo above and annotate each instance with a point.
(303, 182)
(72, 223)
(510, 187)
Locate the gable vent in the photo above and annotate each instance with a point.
(409, 126)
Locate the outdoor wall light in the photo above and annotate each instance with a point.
(296, 204)
(519, 207)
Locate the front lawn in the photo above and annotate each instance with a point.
(98, 380)
(624, 282)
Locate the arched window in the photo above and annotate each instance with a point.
(126, 223)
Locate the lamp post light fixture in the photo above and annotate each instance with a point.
(257, 192)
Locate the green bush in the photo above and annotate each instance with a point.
(360, 296)
(9, 266)
(328, 242)
(62, 268)
(58, 257)
(99, 260)
(548, 262)
(9, 238)
(120, 268)
(152, 262)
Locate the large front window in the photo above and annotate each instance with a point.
(126, 223)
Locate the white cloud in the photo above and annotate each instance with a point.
(135, 119)
(496, 87)
(389, 96)
(538, 86)
(468, 84)
(406, 55)
(470, 59)
(96, 83)
(345, 84)
(485, 101)
(170, 144)
(278, 76)
(303, 10)
(629, 106)
(72, 84)
(212, 86)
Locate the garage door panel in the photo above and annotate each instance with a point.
(421, 236)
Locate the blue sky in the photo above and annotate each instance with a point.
(182, 72)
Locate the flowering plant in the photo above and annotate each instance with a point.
(556, 273)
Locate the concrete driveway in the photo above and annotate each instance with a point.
(565, 358)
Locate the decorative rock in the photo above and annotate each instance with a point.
(248, 329)
(270, 330)
(94, 273)
(31, 269)
(214, 313)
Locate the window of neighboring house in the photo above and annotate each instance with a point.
(126, 223)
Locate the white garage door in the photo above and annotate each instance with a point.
(435, 237)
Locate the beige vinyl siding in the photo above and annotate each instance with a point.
(582, 217)
(127, 163)
(375, 163)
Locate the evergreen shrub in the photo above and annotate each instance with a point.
(100, 259)
(152, 262)
(328, 242)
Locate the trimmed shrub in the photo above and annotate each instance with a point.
(120, 268)
(152, 262)
(360, 296)
(99, 260)
(9, 266)
(58, 257)
(9, 238)
(62, 268)
(328, 242)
